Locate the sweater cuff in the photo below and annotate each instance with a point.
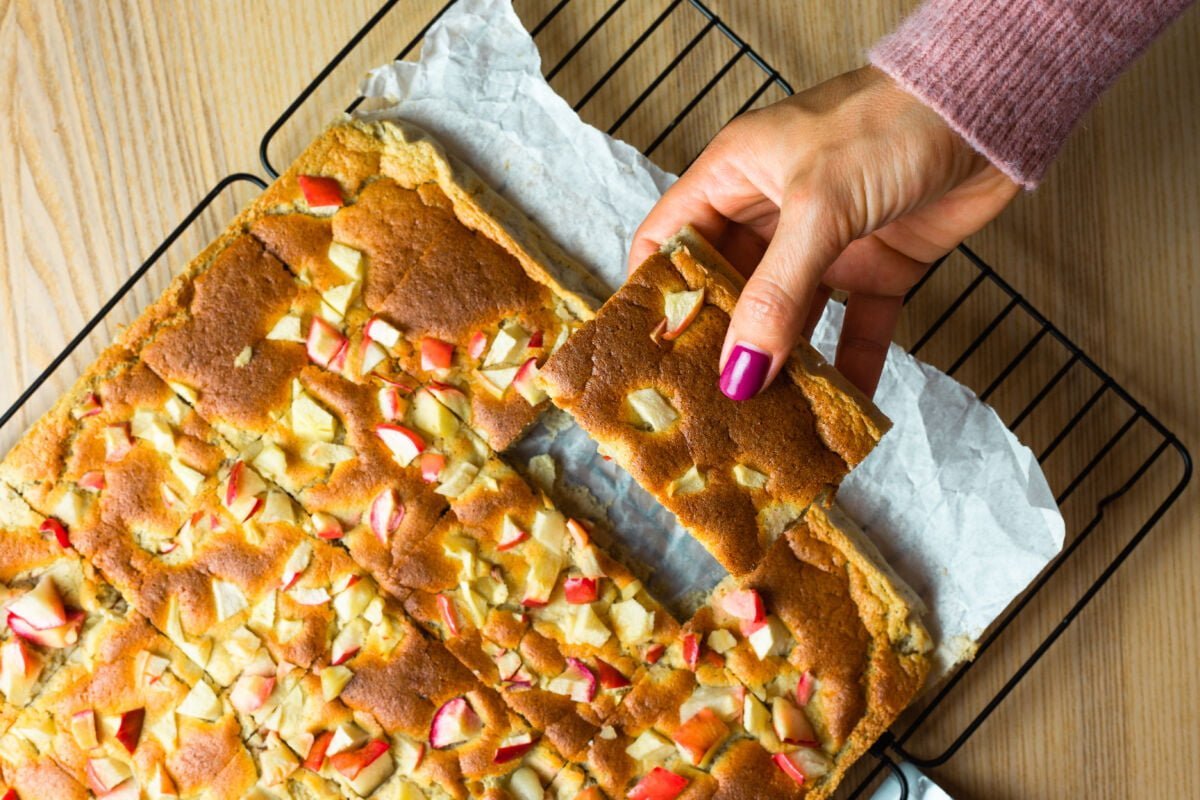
(1013, 77)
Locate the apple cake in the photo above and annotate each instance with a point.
(267, 546)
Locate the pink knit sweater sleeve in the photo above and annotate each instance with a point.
(1014, 76)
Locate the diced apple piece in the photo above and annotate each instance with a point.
(380, 330)
(769, 639)
(347, 259)
(373, 355)
(511, 534)
(681, 309)
(452, 398)
(700, 735)
(577, 681)
(391, 405)
(351, 763)
(804, 765)
(477, 345)
(550, 528)
(309, 420)
(454, 723)
(296, 564)
(243, 357)
(449, 614)
(507, 664)
(92, 481)
(497, 379)
(386, 514)
(129, 731)
(743, 604)
(610, 676)
(353, 599)
(689, 482)
(721, 641)
(525, 381)
(88, 407)
(105, 774)
(316, 753)
(526, 785)
(749, 478)
(652, 409)
(339, 298)
(756, 719)
(53, 526)
(348, 642)
(404, 444)
(580, 590)
(805, 688)
(432, 465)
(326, 526)
(724, 701)
(346, 737)
(117, 442)
(83, 728)
(508, 347)
(323, 195)
(20, 669)
(649, 746)
(691, 650)
(436, 355)
(514, 747)
(69, 508)
(791, 724)
(326, 345)
(587, 627)
(457, 479)
(287, 329)
(191, 479)
(201, 703)
(540, 580)
(659, 784)
(631, 621)
(334, 680)
(230, 600)
(433, 417)
(250, 693)
(41, 607)
(310, 596)
(154, 429)
(57, 638)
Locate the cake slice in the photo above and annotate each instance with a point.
(823, 634)
(641, 378)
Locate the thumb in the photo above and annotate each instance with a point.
(769, 318)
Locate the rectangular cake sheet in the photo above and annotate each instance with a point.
(954, 501)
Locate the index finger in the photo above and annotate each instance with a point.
(686, 202)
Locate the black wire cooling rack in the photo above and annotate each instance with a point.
(1114, 467)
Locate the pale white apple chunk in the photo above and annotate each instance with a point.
(690, 482)
(287, 329)
(229, 599)
(20, 669)
(652, 409)
(587, 628)
(457, 479)
(508, 347)
(650, 747)
(151, 427)
(681, 308)
(524, 784)
(497, 379)
(756, 719)
(347, 259)
(309, 421)
(632, 622)
(770, 639)
(453, 723)
(432, 417)
(749, 478)
(191, 479)
(724, 701)
(334, 680)
(201, 703)
(721, 641)
(42, 606)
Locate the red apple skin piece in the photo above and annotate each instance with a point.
(93, 481)
(580, 591)
(744, 604)
(579, 533)
(321, 192)
(477, 345)
(610, 676)
(656, 335)
(11, 794)
(56, 638)
(700, 734)
(41, 608)
(585, 672)
(432, 465)
(316, 754)
(659, 784)
(693, 312)
(804, 689)
(386, 514)
(458, 707)
(436, 354)
(51, 525)
(233, 484)
(130, 730)
(789, 768)
(748, 628)
(90, 407)
(535, 340)
(449, 614)
(121, 448)
(654, 652)
(508, 751)
(691, 651)
(398, 438)
(325, 344)
(355, 761)
(510, 543)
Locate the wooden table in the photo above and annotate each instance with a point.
(115, 118)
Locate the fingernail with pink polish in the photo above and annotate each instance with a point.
(745, 372)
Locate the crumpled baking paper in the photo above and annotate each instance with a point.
(955, 502)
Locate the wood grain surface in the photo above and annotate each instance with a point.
(117, 117)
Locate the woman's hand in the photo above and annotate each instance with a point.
(852, 185)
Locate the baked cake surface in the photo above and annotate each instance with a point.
(266, 547)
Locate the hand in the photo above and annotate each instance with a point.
(852, 185)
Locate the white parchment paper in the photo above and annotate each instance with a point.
(957, 505)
